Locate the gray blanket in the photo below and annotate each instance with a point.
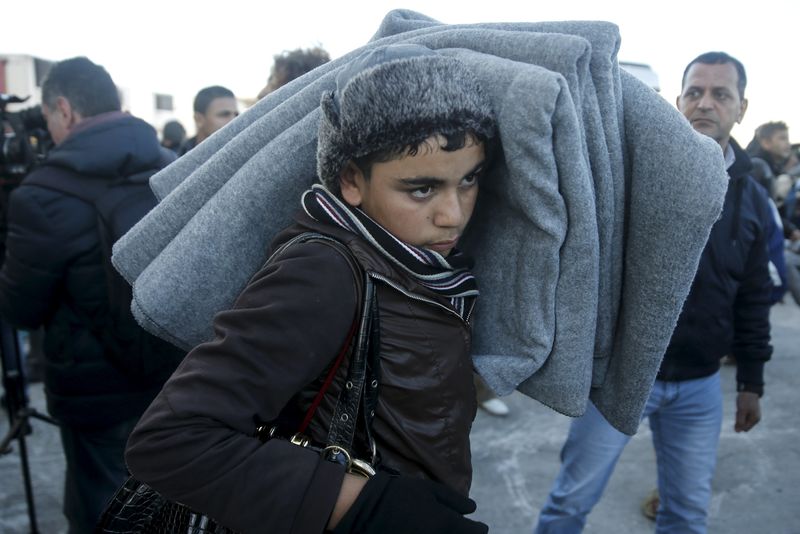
(586, 236)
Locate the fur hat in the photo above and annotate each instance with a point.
(396, 96)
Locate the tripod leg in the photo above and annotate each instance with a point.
(18, 411)
(17, 432)
(32, 412)
(5, 445)
(26, 477)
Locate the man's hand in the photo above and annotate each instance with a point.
(748, 411)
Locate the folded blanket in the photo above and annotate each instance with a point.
(581, 269)
(596, 45)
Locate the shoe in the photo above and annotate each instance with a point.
(495, 406)
(650, 505)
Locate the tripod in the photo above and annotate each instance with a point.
(19, 413)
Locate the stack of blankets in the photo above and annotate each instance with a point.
(586, 235)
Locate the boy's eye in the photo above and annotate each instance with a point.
(470, 179)
(422, 192)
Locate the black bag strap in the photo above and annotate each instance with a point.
(373, 378)
(360, 392)
(345, 415)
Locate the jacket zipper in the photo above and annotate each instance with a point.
(419, 298)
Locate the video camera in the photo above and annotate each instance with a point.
(24, 144)
(25, 140)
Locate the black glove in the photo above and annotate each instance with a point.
(402, 505)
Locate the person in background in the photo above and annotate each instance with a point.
(214, 107)
(781, 163)
(726, 312)
(771, 144)
(292, 64)
(173, 135)
(54, 276)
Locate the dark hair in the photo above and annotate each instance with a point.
(720, 58)
(208, 94)
(292, 64)
(452, 142)
(87, 86)
(767, 130)
(174, 131)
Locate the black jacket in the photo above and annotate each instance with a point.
(187, 145)
(727, 310)
(53, 273)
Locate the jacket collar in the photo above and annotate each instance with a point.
(742, 165)
(369, 258)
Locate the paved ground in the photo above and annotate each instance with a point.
(756, 488)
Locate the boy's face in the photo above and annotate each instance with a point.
(425, 200)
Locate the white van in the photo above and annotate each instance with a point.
(642, 71)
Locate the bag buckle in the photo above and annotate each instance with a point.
(266, 433)
(362, 468)
(300, 440)
(354, 466)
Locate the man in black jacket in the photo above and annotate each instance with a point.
(54, 275)
(727, 311)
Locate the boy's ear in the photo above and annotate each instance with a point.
(352, 183)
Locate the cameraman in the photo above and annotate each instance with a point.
(54, 276)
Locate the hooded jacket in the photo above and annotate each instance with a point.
(53, 274)
(195, 443)
(727, 310)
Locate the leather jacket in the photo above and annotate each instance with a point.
(196, 444)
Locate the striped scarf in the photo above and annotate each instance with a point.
(449, 277)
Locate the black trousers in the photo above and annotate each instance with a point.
(95, 469)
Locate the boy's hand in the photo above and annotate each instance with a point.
(748, 411)
(351, 488)
(404, 505)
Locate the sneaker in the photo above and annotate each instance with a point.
(650, 505)
(495, 406)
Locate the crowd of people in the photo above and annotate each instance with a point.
(372, 261)
(776, 165)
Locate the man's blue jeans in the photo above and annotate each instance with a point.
(685, 419)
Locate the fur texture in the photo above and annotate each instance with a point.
(390, 103)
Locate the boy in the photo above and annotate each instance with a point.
(402, 145)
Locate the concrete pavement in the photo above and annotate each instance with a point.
(756, 487)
